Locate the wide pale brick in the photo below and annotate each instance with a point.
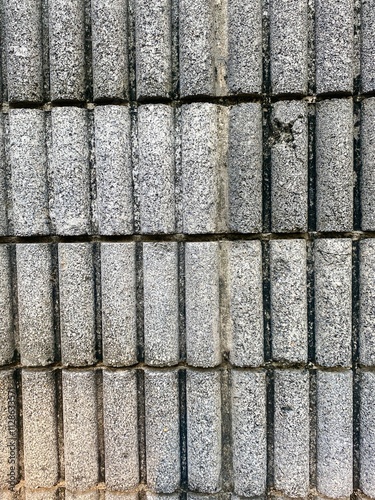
(367, 303)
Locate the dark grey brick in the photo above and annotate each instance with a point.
(367, 181)
(367, 433)
(367, 303)
(7, 344)
(367, 47)
(9, 459)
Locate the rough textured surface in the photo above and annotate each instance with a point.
(366, 303)
(367, 433)
(7, 344)
(9, 431)
(367, 180)
(367, 48)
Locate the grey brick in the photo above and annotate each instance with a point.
(162, 431)
(41, 494)
(202, 303)
(35, 304)
(289, 157)
(334, 434)
(89, 495)
(367, 303)
(249, 432)
(334, 45)
(204, 431)
(109, 49)
(367, 47)
(291, 432)
(161, 331)
(114, 495)
(288, 300)
(119, 329)
(155, 496)
(245, 46)
(40, 429)
(23, 24)
(77, 311)
(3, 182)
(120, 429)
(6, 317)
(288, 38)
(367, 434)
(245, 168)
(333, 301)
(156, 169)
(28, 160)
(70, 171)
(80, 430)
(67, 49)
(245, 302)
(113, 169)
(334, 165)
(153, 32)
(367, 183)
(9, 460)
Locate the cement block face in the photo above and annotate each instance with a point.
(367, 433)
(3, 182)
(6, 306)
(366, 303)
(367, 46)
(367, 158)
(9, 431)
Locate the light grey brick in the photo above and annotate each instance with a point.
(367, 47)
(120, 429)
(113, 170)
(119, 329)
(67, 49)
(367, 434)
(289, 157)
(334, 165)
(249, 432)
(114, 495)
(41, 494)
(161, 331)
(245, 302)
(79, 495)
(109, 49)
(291, 432)
(288, 300)
(202, 303)
(156, 169)
(162, 431)
(334, 434)
(245, 168)
(3, 182)
(40, 429)
(77, 310)
(333, 301)
(367, 303)
(157, 496)
(23, 24)
(244, 46)
(7, 344)
(334, 45)
(367, 181)
(35, 304)
(70, 171)
(80, 430)
(9, 459)
(204, 431)
(28, 160)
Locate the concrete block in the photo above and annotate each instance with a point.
(367, 434)
(367, 303)
(28, 160)
(291, 432)
(245, 156)
(7, 344)
(80, 430)
(288, 42)
(155, 496)
(113, 169)
(367, 46)
(153, 33)
(288, 300)
(9, 457)
(204, 431)
(245, 303)
(162, 431)
(35, 304)
(156, 168)
(334, 36)
(70, 171)
(289, 175)
(23, 37)
(40, 429)
(202, 303)
(333, 301)
(161, 309)
(109, 49)
(77, 309)
(86, 495)
(118, 283)
(367, 180)
(249, 432)
(120, 429)
(41, 494)
(114, 495)
(67, 50)
(4, 189)
(334, 165)
(334, 434)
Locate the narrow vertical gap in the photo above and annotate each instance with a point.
(56, 300)
(45, 49)
(311, 46)
(357, 47)
(226, 432)
(178, 170)
(310, 303)
(134, 168)
(266, 302)
(4, 72)
(139, 301)
(270, 388)
(175, 50)
(96, 257)
(357, 215)
(132, 91)
(141, 426)
(17, 375)
(355, 361)
(100, 423)
(88, 52)
(94, 221)
(313, 427)
(266, 48)
(7, 176)
(181, 299)
(183, 429)
(13, 280)
(311, 168)
(267, 173)
(60, 424)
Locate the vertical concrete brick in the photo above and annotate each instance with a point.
(367, 303)
(3, 182)
(120, 429)
(333, 301)
(202, 303)
(28, 160)
(7, 344)
(245, 168)
(118, 283)
(367, 433)
(113, 169)
(367, 47)
(334, 434)
(35, 304)
(161, 330)
(249, 433)
(9, 458)
(77, 310)
(204, 431)
(367, 181)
